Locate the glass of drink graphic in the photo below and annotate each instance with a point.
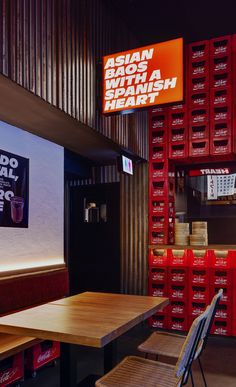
(17, 207)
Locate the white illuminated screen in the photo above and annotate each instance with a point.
(127, 165)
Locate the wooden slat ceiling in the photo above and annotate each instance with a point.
(25, 110)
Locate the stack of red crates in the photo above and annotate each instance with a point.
(158, 284)
(221, 86)
(198, 91)
(12, 370)
(198, 282)
(177, 290)
(221, 277)
(161, 181)
(178, 131)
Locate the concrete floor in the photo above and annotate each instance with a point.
(218, 359)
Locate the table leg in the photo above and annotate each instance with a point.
(110, 356)
(68, 374)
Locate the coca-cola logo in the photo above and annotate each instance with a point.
(46, 355)
(198, 54)
(8, 375)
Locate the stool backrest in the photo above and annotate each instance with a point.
(187, 355)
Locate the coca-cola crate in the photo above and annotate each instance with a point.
(157, 110)
(223, 312)
(177, 258)
(161, 223)
(158, 290)
(177, 275)
(177, 119)
(158, 257)
(199, 100)
(158, 121)
(178, 292)
(198, 276)
(220, 327)
(177, 108)
(158, 274)
(11, 369)
(219, 65)
(220, 46)
(221, 277)
(199, 116)
(221, 97)
(178, 308)
(161, 188)
(178, 135)
(199, 148)
(159, 170)
(221, 81)
(199, 68)
(178, 150)
(197, 132)
(158, 136)
(200, 259)
(198, 51)
(198, 85)
(220, 129)
(40, 354)
(221, 114)
(178, 323)
(221, 146)
(227, 295)
(162, 237)
(196, 308)
(158, 321)
(158, 153)
(162, 207)
(198, 294)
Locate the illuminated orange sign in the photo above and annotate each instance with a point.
(142, 77)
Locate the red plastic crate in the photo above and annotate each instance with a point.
(177, 119)
(178, 308)
(198, 148)
(196, 308)
(159, 121)
(178, 134)
(158, 170)
(200, 259)
(199, 100)
(178, 150)
(221, 97)
(223, 312)
(11, 369)
(198, 85)
(177, 258)
(177, 323)
(158, 153)
(157, 110)
(221, 46)
(199, 277)
(221, 277)
(197, 132)
(157, 289)
(158, 137)
(222, 328)
(221, 114)
(220, 81)
(159, 238)
(227, 296)
(159, 222)
(199, 294)
(178, 292)
(219, 65)
(221, 146)
(41, 354)
(198, 51)
(199, 116)
(158, 257)
(177, 108)
(177, 275)
(199, 68)
(162, 207)
(158, 321)
(222, 129)
(161, 188)
(158, 274)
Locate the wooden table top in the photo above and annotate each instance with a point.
(90, 319)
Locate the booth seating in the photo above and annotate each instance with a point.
(17, 293)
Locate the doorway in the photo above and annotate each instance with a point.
(94, 238)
